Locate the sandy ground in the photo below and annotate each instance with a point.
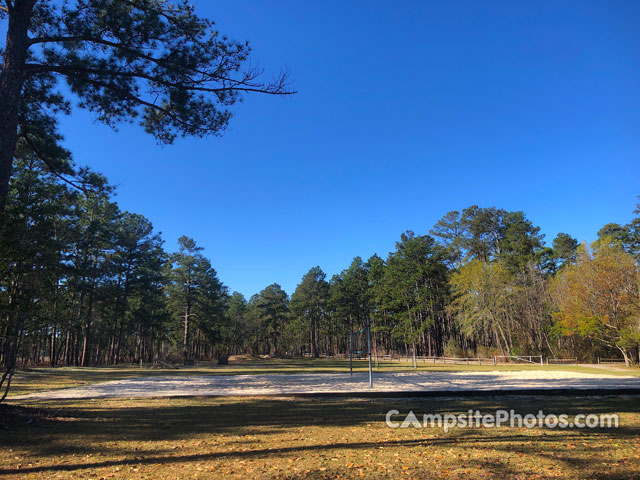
(238, 385)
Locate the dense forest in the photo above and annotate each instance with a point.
(84, 283)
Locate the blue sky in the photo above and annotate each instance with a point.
(405, 110)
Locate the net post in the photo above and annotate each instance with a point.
(369, 345)
(351, 353)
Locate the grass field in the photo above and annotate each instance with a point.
(42, 379)
(302, 438)
(289, 438)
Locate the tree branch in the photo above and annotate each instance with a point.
(246, 81)
(51, 168)
(243, 85)
(92, 39)
(129, 96)
(118, 46)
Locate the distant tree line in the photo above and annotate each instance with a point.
(85, 283)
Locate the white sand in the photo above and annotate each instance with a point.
(236, 385)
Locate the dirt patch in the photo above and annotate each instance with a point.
(243, 358)
(333, 383)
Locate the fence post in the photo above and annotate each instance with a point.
(495, 361)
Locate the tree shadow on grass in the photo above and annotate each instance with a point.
(89, 427)
(501, 469)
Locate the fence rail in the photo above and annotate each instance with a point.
(562, 361)
(437, 360)
(532, 359)
(499, 359)
(425, 360)
(611, 360)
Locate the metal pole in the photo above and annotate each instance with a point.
(369, 344)
(351, 352)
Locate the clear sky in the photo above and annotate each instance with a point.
(405, 110)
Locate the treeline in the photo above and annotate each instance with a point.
(84, 283)
(482, 283)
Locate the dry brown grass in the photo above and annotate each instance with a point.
(294, 438)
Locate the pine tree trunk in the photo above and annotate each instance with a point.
(11, 81)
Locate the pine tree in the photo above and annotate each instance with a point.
(195, 296)
(309, 302)
(153, 62)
